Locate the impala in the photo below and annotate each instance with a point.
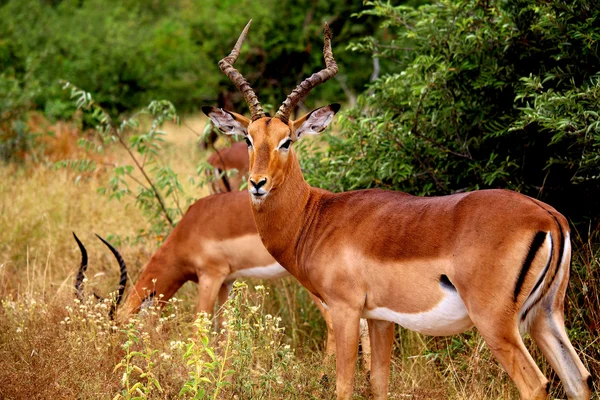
(215, 243)
(233, 157)
(493, 259)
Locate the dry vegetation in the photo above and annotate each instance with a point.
(52, 346)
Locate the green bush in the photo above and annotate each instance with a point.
(132, 52)
(16, 97)
(485, 95)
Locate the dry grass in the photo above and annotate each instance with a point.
(53, 347)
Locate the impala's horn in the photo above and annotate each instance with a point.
(330, 70)
(122, 279)
(240, 82)
(83, 267)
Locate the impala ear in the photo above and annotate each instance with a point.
(315, 121)
(228, 122)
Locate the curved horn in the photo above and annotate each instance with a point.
(122, 280)
(242, 84)
(82, 268)
(315, 79)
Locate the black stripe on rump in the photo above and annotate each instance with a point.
(445, 282)
(561, 249)
(538, 241)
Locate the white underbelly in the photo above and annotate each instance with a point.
(448, 317)
(271, 271)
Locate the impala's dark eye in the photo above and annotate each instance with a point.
(248, 142)
(286, 145)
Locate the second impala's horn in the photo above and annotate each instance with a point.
(83, 267)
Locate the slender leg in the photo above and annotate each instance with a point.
(330, 345)
(223, 297)
(381, 334)
(548, 331)
(365, 345)
(208, 290)
(504, 340)
(346, 322)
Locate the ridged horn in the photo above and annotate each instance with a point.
(82, 268)
(330, 70)
(123, 278)
(226, 65)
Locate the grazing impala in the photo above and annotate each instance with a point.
(233, 157)
(494, 259)
(215, 243)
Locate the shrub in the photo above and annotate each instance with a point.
(485, 95)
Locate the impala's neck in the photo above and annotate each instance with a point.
(284, 216)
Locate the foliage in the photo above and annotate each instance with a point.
(485, 95)
(135, 51)
(131, 364)
(206, 367)
(250, 341)
(16, 94)
(158, 190)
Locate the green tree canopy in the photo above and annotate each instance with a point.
(129, 52)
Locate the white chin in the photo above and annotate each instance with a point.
(256, 200)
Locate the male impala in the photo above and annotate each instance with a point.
(494, 259)
(215, 243)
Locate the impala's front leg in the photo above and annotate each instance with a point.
(330, 346)
(365, 345)
(208, 290)
(381, 334)
(346, 321)
(224, 292)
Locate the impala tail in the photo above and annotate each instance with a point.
(83, 267)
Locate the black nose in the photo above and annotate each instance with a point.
(260, 183)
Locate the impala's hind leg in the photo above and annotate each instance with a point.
(548, 331)
(547, 327)
(504, 340)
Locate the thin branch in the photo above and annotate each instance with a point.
(190, 128)
(140, 167)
